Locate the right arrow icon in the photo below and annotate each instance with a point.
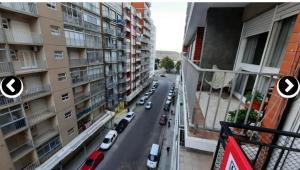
(288, 87)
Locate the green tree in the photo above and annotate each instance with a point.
(178, 65)
(167, 63)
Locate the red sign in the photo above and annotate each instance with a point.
(234, 158)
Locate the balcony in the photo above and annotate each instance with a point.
(111, 60)
(108, 30)
(32, 93)
(120, 22)
(41, 115)
(122, 80)
(92, 26)
(10, 128)
(21, 150)
(74, 39)
(6, 69)
(97, 90)
(120, 34)
(81, 97)
(94, 77)
(127, 17)
(122, 89)
(94, 57)
(70, 19)
(92, 41)
(98, 104)
(79, 79)
(21, 7)
(78, 62)
(48, 149)
(23, 37)
(110, 46)
(83, 113)
(106, 15)
(7, 102)
(27, 67)
(145, 40)
(44, 135)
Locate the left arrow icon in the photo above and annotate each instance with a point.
(9, 85)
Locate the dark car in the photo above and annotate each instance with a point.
(163, 120)
(167, 106)
(93, 161)
(122, 125)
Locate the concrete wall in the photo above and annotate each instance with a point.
(221, 39)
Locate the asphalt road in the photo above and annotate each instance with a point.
(133, 145)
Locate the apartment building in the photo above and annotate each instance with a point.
(234, 55)
(137, 39)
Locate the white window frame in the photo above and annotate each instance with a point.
(68, 114)
(55, 30)
(62, 76)
(51, 5)
(58, 55)
(65, 97)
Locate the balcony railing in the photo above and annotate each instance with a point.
(120, 22)
(19, 151)
(93, 43)
(31, 166)
(79, 79)
(120, 34)
(111, 60)
(98, 89)
(80, 114)
(110, 45)
(27, 7)
(29, 66)
(78, 62)
(23, 37)
(69, 19)
(108, 30)
(81, 97)
(96, 76)
(10, 127)
(214, 95)
(6, 68)
(44, 136)
(5, 102)
(48, 149)
(41, 115)
(94, 57)
(37, 91)
(91, 26)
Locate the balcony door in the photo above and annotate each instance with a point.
(28, 59)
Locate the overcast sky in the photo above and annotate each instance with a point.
(169, 19)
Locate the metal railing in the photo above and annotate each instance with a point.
(23, 37)
(92, 26)
(27, 7)
(69, 19)
(6, 68)
(43, 135)
(35, 91)
(110, 45)
(108, 30)
(80, 114)
(78, 62)
(120, 22)
(264, 148)
(48, 149)
(94, 57)
(79, 78)
(92, 42)
(13, 125)
(214, 95)
(120, 34)
(31, 166)
(20, 149)
(25, 66)
(95, 77)
(41, 115)
(81, 97)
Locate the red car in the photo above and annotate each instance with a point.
(93, 161)
(163, 120)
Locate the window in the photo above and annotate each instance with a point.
(62, 76)
(65, 97)
(51, 5)
(68, 114)
(58, 55)
(70, 131)
(26, 106)
(55, 30)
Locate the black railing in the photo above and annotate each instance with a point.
(264, 148)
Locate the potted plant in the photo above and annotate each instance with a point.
(257, 100)
(242, 116)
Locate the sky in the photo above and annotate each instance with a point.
(169, 19)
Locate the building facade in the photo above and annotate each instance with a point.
(236, 53)
(72, 60)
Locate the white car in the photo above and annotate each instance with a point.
(169, 98)
(129, 116)
(170, 94)
(168, 101)
(109, 140)
(142, 101)
(148, 105)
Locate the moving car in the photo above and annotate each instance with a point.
(122, 125)
(142, 101)
(153, 157)
(163, 120)
(109, 140)
(129, 116)
(148, 105)
(93, 161)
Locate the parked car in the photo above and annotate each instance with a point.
(163, 120)
(129, 116)
(151, 91)
(122, 125)
(93, 160)
(147, 94)
(109, 140)
(142, 101)
(148, 105)
(167, 105)
(170, 94)
(156, 84)
(170, 98)
(153, 88)
(153, 157)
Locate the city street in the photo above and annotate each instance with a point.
(133, 145)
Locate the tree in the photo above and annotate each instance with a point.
(178, 65)
(167, 63)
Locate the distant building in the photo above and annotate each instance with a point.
(171, 54)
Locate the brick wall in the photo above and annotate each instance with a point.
(290, 66)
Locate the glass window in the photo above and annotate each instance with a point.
(51, 5)
(282, 33)
(65, 97)
(62, 76)
(58, 55)
(68, 114)
(55, 30)
(70, 131)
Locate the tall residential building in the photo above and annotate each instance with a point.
(138, 33)
(71, 59)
